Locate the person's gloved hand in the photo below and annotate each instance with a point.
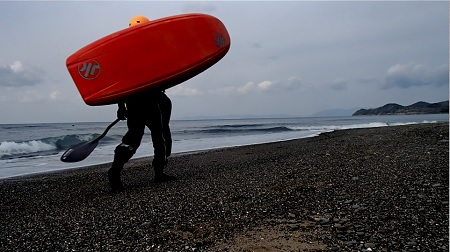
(122, 112)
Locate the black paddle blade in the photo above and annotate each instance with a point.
(78, 152)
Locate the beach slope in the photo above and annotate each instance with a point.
(377, 189)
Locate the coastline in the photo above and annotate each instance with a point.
(360, 189)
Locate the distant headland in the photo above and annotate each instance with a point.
(416, 108)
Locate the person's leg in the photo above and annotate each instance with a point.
(165, 105)
(122, 154)
(155, 125)
(124, 151)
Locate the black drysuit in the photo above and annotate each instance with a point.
(152, 110)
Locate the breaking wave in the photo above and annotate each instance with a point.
(11, 149)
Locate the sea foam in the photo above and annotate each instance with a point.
(8, 148)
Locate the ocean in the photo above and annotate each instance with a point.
(36, 148)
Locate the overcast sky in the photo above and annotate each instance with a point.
(292, 58)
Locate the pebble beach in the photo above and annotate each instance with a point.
(373, 189)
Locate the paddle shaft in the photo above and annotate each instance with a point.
(106, 130)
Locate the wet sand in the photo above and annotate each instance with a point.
(379, 189)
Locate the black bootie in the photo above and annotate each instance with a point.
(122, 154)
(160, 176)
(114, 180)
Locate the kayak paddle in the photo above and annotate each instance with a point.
(82, 150)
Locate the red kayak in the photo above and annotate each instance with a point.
(155, 55)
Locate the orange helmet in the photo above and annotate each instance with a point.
(138, 20)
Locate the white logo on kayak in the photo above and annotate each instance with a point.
(89, 70)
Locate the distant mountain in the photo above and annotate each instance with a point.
(416, 108)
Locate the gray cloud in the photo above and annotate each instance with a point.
(339, 85)
(290, 84)
(17, 75)
(370, 81)
(202, 7)
(256, 44)
(412, 74)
